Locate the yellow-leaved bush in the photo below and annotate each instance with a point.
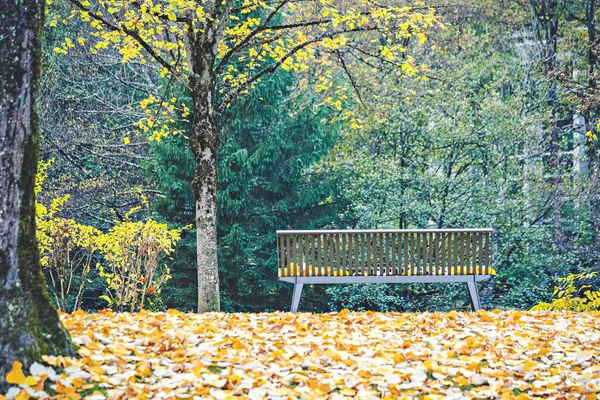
(134, 251)
(129, 257)
(573, 295)
(67, 248)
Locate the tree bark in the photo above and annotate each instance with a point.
(553, 138)
(204, 142)
(29, 324)
(592, 153)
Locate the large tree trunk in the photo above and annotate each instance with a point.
(204, 142)
(29, 325)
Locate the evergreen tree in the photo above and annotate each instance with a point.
(271, 140)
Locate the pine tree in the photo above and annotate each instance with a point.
(271, 140)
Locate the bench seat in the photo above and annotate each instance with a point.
(303, 270)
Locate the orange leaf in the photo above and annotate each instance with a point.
(399, 357)
(237, 345)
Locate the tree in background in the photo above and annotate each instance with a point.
(468, 147)
(272, 138)
(87, 105)
(29, 325)
(221, 50)
(453, 153)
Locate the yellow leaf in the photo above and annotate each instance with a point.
(31, 381)
(16, 376)
(428, 364)
(461, 380)
(543, 351)
(126, 140)
(529, 366)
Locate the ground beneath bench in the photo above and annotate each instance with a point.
(283, 355)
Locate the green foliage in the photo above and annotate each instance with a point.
(267, 183)
(272, 138)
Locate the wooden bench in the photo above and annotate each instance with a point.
(385, 256)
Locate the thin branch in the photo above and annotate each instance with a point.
(130, 33)
(235, 92)
(247, 39)
(351, 78)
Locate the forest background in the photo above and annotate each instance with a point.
(501, 133)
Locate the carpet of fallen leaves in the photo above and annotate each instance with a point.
(496, 354)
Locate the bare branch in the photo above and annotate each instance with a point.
(351, 78)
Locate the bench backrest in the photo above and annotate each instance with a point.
(384, 252)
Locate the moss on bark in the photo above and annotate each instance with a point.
(29, 324)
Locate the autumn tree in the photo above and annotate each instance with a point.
(219, 50)
(29, 325)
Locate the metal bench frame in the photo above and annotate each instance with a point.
(463, 257)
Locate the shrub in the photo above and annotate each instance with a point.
(133, 252)
(573, 295)
(131, 255)
(67, 249)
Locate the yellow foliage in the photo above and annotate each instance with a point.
(66, 247)
(248, 41)
(134, 251)
(565, 295)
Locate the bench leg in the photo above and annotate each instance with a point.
(296, 296)
(474, 295)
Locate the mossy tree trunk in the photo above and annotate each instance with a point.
(29, 324)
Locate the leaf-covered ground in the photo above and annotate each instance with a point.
(284, 355)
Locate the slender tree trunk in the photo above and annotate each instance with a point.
(204, 142)
(553, 138)
(29, 325)
(580, 165)
(592, 153)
